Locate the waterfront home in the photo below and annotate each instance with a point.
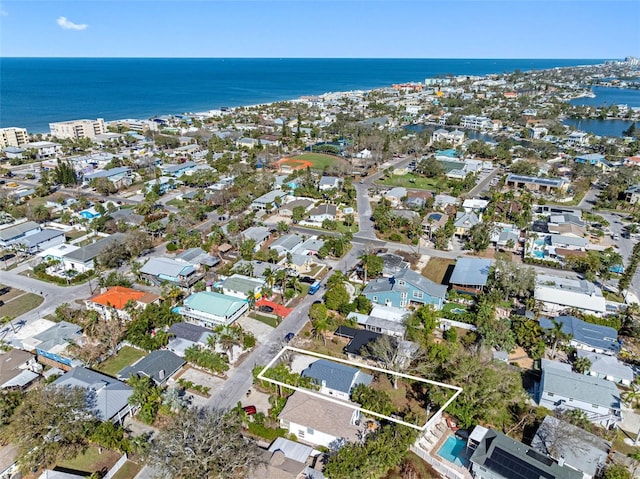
(107, 397)
(404, 288)
(558, 294)
(470, 275)
(319, 422)
(211, 309)
(560, 389)
(586, 336)
(336, 379)
(497, 456)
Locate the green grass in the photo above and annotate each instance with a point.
(176, 202)
(74, 234)
(20, 305)
(129, 470)
(268, 320)
(415, 182)
(125, 357)
(320, 161)
(92, 461)
(266, 432)
(436, 269)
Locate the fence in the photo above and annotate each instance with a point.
(116, 467)
(440, 467)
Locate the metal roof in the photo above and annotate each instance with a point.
(339, 377)
(214, 303)
(17, 230)
(594, 335)
(167, 267)
(40, 237)
(471, 271)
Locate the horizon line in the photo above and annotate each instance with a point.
(306, 58)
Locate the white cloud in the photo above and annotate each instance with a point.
(69, 25)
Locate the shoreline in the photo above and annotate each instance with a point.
(234, 82)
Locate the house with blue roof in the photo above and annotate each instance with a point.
(594, 159)
(586, 336)
(51, 344)
(211, 309)
(121, 176)
(470, 275)
(179, 169)
(335, 379)
(404, 288)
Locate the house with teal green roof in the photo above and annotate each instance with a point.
(211, 309)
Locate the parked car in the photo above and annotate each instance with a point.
(5, 290)
(1, 303)
(250, 410)
(265, 309)
(289, 337)
(307, 279)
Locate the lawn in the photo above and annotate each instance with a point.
(415, 182)
(438, 269)
(320, 161)
(449, 306)
(128, 471)
(92, 461)
(20, 304)
(268, 320)
(125, 357)
(74, 234)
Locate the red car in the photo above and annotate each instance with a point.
(250, 410)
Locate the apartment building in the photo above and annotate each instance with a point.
(78, 129)
(13, 137)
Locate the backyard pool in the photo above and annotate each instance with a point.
(539, 242)
(455, 451)
(458, 310)
(538, 254)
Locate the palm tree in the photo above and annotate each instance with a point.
(281, 278)
(556, 335)
(320, 327)
(7, 319)
(294, 283)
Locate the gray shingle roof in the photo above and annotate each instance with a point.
(158, 365)
(105, 394)
(89, 252)
(287, 242)
(422, 283)
(601, 337)
(189, 331)
(17, 230)
(588, 389)
(167, 267)
(40, 237)
(339, 377)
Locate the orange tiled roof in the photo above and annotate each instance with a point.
(118, 296)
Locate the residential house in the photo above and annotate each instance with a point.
(577, 138)
(404, 288)
(158, 365)
(336, 379)
(162, 184)
(51, 345)
(16, 234)
(535, 183)
(470, 275)
(83, 259)
(476, 205)
(319, 422)
(160, 270)
(497, 456)
(177, 170)
(395, 195)
(595, 159)
(186, 335)
(198, 258)
(259, 234)
(286, 243)
(268, 201)
(632, 194)
(114, 301)
(323, 212)
(586, 336)
(18, 369)
(455, 137)
(241, 286)
(563, 390)
(286, 459)
(571, 445)
(607, 367)
(106, 396)
(382, 319)
(286, 210)
(392, 264)
(211, 309)
(358, 339)
(329, 183)
(42, 240)
(120, 177)
(43, 149)
(558, 294)
(433, 222)
(464, 222)
(444, 201)
(309, 247)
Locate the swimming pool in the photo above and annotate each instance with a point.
(458, 310)
(538, 254)
(454, 450)
(539, 242)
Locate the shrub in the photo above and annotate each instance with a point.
(172, 247)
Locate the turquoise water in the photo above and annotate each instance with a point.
(539, 242)
(539, 254)
(37, 91)
(453, 451)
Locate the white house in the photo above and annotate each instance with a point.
(336, 379)
(558, 294)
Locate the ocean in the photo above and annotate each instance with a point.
(37, 91)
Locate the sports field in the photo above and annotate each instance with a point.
(315, 161)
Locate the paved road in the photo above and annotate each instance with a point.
(484, 183)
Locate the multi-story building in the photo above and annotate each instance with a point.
(13, 137)
(75, 129)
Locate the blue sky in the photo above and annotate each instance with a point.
(305, 28)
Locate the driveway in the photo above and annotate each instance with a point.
(259, 329)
